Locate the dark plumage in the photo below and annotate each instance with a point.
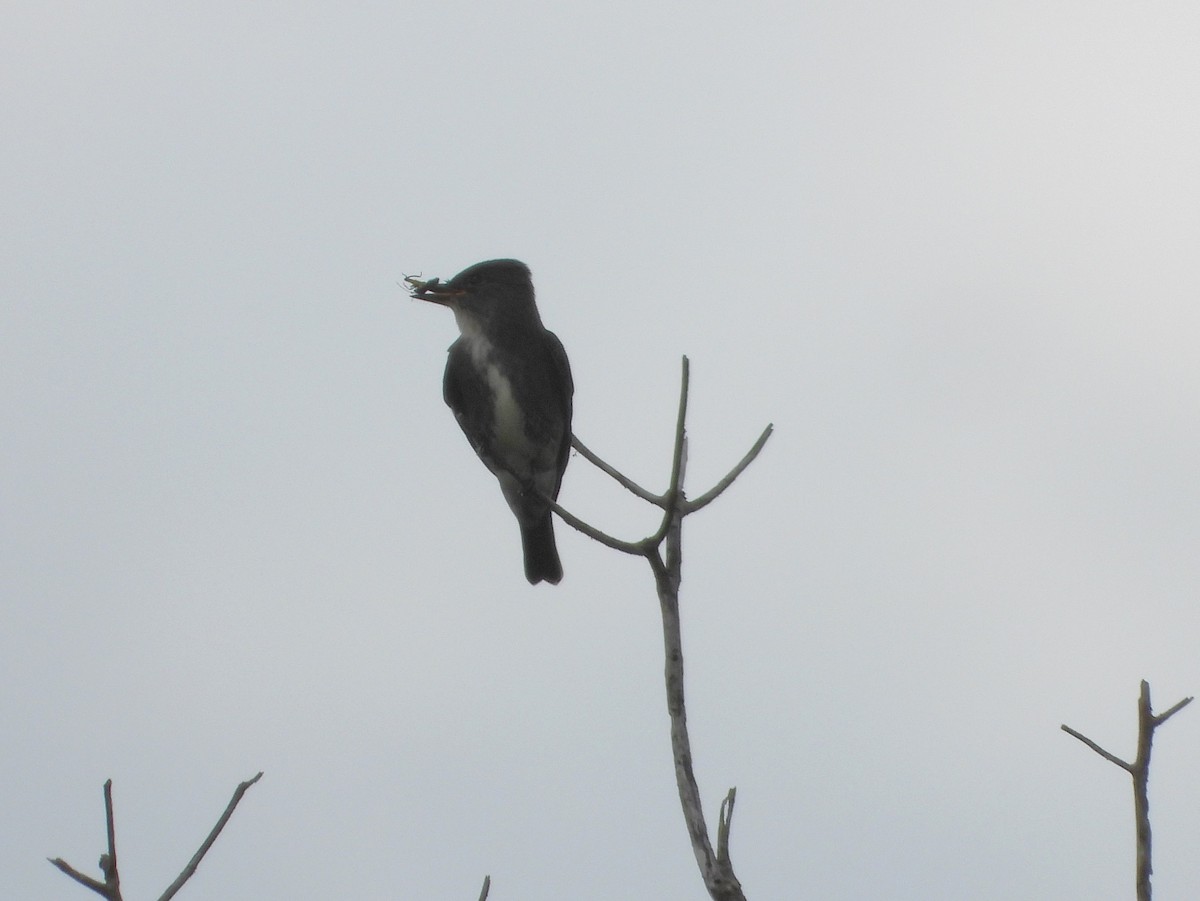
(509, 384)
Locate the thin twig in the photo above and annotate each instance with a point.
(110, 888)
(1110, 757)
(622, 479)
(709, 496)
(208, 842)
(674, 494)
(677, 456)
(1163, 717)
(674, 499)
(94, 884)
(108, 863)
(637, 548)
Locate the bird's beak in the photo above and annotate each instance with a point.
(432, 290)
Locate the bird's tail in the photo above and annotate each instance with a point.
(541, 553)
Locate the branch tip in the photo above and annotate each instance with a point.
(192, 864)
(724, 825)
(713, 493)
(1170, 712)
(1110, 757)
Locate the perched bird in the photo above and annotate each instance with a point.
(509, 384)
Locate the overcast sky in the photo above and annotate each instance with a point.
(948, 249)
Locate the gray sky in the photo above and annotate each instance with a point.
(948, 249)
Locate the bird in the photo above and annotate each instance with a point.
(509, 384)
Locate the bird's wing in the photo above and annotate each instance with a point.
(558, 356)
(469, 397)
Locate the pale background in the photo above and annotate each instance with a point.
(949, 249)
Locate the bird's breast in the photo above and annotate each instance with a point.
(508, 419)
(511, 444)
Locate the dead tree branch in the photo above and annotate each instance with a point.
(1139, 770)
(110, 888)
(666, 563)
(208, 842)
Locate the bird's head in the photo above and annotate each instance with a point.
(491, 291)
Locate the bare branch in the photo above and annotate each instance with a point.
(620, 477)
(487, 887)
(715, 868)
(685, 778)
(672, 526)
(724, 824)
(716, 871)
(674, 502)
(1111, 758)
(709, 496)
(1163, 717)
(110, 888)
(208, 842)
(1139, 770)
(108, 863)
(637, 548)
(95, 885)
(677, 457)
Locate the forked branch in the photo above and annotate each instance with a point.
(1139, 770)
(673, 503)
(715, 867)
(110, 888)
